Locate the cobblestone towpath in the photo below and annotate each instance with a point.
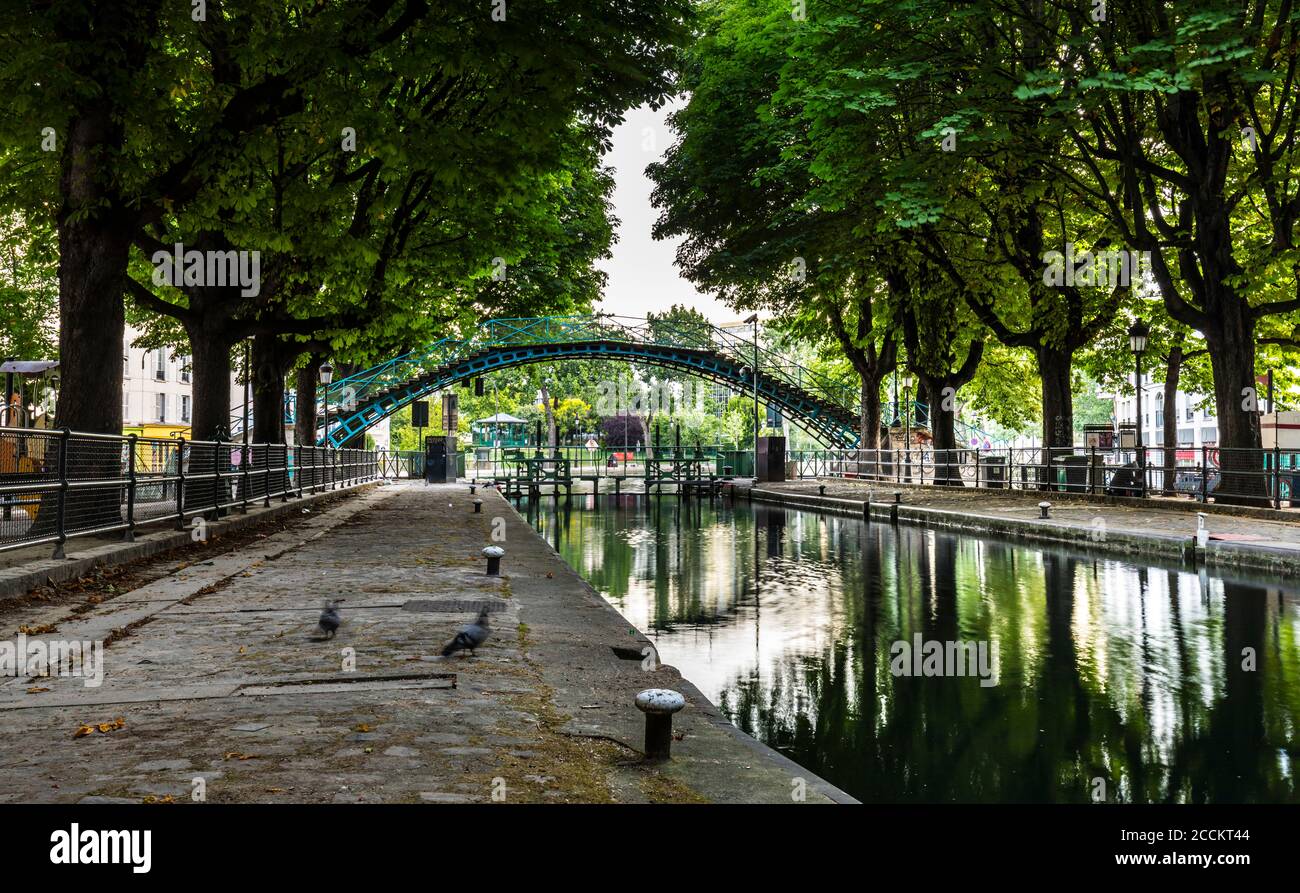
(213, 689)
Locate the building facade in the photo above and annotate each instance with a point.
(1194, 418)
(158, 391)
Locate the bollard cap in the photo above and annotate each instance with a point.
(660, 700)
(1044, 505)
(478, 502)
(493, 552)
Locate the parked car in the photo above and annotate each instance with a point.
(1188, 481)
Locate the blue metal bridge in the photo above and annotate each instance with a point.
(824, 407)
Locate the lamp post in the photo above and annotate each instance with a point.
(753, 320)
(1137, 339)
(326, 376)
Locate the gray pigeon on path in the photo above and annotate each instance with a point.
(471, 635)
(329, 620)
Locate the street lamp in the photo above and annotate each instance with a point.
(326, 376)
(753, 320)
(1137, 339)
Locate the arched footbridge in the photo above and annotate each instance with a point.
(824, 407)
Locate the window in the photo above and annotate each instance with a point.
(162, 407)
(1186, 436)
(1160, 418)
(1209, 435)
(185, 368)
(160, 364)
(126, 405)
(185, 408)
(126, 367)
(1190, 411)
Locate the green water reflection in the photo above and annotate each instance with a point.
(1104, 669)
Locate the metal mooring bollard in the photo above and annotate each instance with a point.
(478, 506)
(821, 489)
(473, 488)
(493, 555)
(659, 705)
(898, 497)
(1043, 509)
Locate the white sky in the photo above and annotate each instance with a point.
(642, 275)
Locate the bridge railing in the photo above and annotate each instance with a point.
(58, 485)
(609, 327)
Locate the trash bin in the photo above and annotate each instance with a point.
(993, 471)
(1071, 474)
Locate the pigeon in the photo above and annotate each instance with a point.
(329, 620)
(471, 636)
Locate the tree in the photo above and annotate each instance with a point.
(1182, 124)
(28, 290)
(146, 125)
(739, 190)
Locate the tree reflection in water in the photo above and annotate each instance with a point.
(1133, 675)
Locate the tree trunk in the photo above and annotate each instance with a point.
(304, 417)
(942, 418)
(270, 361)
(211, 367)
(1232, 357)
(1169, 444)
(869, 435)
(1058, 403)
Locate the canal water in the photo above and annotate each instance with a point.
(1101, 678)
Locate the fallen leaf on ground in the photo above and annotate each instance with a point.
(361, 727)
(36, 689)
(150, 798)
(236, 755)
(103, 727)
(37, 630)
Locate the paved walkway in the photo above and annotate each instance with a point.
(218, 689)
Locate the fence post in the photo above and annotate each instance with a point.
(1277, 477)
(1205, 474)
(977, 468)
(297, 455)
(266, 490)
(1092, 471)
(61, 515)
(129, 536)
(180, 483)
(216, 478)
(243, 477)
(284, 472)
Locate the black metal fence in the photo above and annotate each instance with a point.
(1268, 477)
(56, 485)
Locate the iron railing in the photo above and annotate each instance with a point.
(1262, 477)
(61, 484)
